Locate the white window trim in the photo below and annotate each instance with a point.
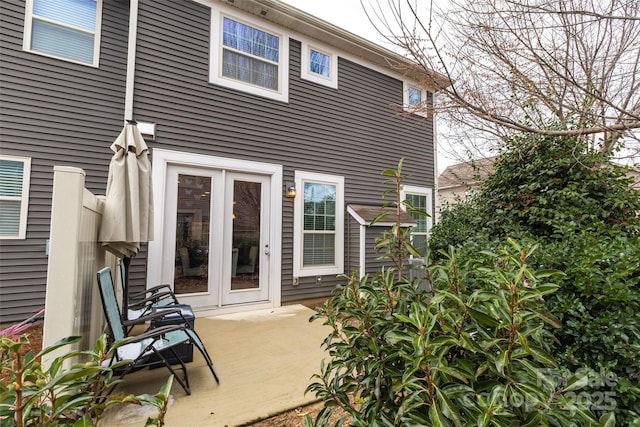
(338, 268)
(420, 191)
(24, 198)
(218, 12)
(414, 109)
(305, 64)
(28, 26)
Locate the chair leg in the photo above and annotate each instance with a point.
(184, 382)
(207, 359)
(195, 340)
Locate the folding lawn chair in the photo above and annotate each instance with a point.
(145, 301)
(139, 349)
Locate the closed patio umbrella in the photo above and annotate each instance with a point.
(127, 220)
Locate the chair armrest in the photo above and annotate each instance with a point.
(152, 316)
(156, 315)
(151, 300)
(151, 291)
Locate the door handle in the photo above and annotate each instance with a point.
(266, 250)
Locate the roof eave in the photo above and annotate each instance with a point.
(295, 19)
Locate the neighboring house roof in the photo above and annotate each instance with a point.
(467, 174)
(309, 25)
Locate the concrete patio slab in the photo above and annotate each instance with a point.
(264, 359)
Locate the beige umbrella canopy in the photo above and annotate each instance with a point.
(127, 220)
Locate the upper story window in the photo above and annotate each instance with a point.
(414, 98)
(65, 29)
(14, 196)
(319, 65)
(248, 55)
(420, 198)
(318, 225)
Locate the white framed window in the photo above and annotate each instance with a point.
(14, 196)
(318, 64)
(420, 198)
(318, 225)
(414, 98)
(64, 29)
(248, 55)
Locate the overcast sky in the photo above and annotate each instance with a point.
(347, 14)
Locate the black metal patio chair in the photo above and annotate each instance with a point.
(151, 346)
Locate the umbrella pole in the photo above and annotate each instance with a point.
(125, 288)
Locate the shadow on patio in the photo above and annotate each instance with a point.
(264, 359)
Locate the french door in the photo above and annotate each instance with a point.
(216, 232)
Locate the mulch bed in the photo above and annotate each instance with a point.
(34, 335)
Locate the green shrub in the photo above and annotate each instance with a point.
(399, 356)
(542, 185)
(456, 226)
(583, 214)
(598, 302)
(474, 350)
(543, 188)
(37, 396)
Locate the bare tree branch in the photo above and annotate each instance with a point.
(549, 67)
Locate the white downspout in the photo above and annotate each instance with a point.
(131, 60)
(363, 250)
(436, 198)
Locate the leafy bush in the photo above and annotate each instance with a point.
(583, 214)
(599, 304)
(456, 226)
(543, 187)
(78, 396)
(545, 184)
(455, 355)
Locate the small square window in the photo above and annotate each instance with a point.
(414, 99)
(415, 96)
(319, 65)
(65, 29)
(14, 196)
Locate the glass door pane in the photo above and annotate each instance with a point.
(192, 234)
(245, 257)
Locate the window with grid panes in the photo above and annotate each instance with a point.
(14, 196)
(318, 224)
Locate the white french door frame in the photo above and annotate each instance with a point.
(157, 254)
(228, 295)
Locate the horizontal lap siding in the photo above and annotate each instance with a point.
(352, 244)
(354, 131)
(56, 113)
(373, 264)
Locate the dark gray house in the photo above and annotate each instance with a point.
(267, 127)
